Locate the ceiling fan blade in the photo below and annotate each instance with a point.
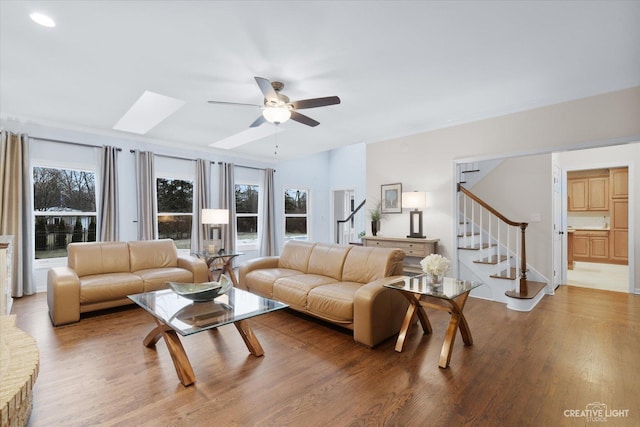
(315, 102)
(260, 120)
(233, 103)
(267, 90)
(305, 120)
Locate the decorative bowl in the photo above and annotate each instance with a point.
(200, 292)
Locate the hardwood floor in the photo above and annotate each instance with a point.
(578, 347)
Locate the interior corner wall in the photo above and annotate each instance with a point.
(426, 161)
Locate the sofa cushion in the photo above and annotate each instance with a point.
(157, 278)
(91, 258)
(293, 290)
(261, 281)
(334, 301)
(328, 260)
(366, 264)
(295, 256)
(108, 287)
(146, 254)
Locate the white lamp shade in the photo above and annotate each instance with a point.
(414, 200)
(276, 114)
(215, 216)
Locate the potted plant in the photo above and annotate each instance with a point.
(376, 217)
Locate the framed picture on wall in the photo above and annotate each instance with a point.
(391, 198)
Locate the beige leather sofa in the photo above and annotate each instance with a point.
(341, 284)
(100, 275)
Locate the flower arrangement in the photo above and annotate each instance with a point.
(435, 265)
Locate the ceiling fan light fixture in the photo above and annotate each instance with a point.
(276, 115)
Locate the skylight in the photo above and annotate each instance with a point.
(246, 136)
(147, 112)
(42, 19)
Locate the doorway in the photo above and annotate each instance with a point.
(343, 206)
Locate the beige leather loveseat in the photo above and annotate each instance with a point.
(339, 283)
(100, 275)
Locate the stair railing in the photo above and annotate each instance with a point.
(481, 216)
(347, 219)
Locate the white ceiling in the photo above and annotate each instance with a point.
(399, 67)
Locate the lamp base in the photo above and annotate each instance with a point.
(416, 236)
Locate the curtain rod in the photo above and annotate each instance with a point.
(168, 156)
(247, 167)
(81, 144)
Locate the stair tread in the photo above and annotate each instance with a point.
(492, 260)
(468, 234)
(471, 170)
(509, 274)
(476, 247)
(533, 289)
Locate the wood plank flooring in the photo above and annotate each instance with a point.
(525, 369)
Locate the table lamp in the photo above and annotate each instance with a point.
(415, 200)
(216, 218)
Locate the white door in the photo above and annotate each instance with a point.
(559, 255)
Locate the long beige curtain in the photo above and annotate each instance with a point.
(145, 191)
(108, 214)
(16, 209)
(268, 233)
(228, 201)
(200, 201)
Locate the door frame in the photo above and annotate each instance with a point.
(630, 211)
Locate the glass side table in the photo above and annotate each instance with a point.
(220, 263)
(450, 295)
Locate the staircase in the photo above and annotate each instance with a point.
(492, 250)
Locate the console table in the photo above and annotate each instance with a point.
(414, 249)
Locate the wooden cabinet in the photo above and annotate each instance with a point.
(414, 249)
(588, 193)
(619, 183)
(591, 245)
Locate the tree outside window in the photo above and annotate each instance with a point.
(247, 197)
(175, 210)
(296, 214)
(64, 208)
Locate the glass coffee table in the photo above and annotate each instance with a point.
(175, 315)
(450, 295)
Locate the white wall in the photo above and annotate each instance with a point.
(606, 157)
(426, 161)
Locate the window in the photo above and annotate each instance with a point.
(296, 214)
(175, 210)
(64, 208)
(247, 197)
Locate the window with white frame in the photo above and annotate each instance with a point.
(296, 214)
(64, 209)
(175, 210)
(247, 211)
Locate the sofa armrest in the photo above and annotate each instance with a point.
(196, 266)
(255, 264)
(63, 295)
(378, 312)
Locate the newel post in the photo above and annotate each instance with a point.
(523, 261)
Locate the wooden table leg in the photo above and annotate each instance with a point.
(457, 321)
(249, 338)
(414, 309)
(176, 350)
(228, 267)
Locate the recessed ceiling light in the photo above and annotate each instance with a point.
(149, 110)
(42, 19)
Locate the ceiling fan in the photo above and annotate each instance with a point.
(278, 109)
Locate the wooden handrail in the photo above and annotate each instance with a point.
(490, 209)
(523, 288)
(342, 221)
